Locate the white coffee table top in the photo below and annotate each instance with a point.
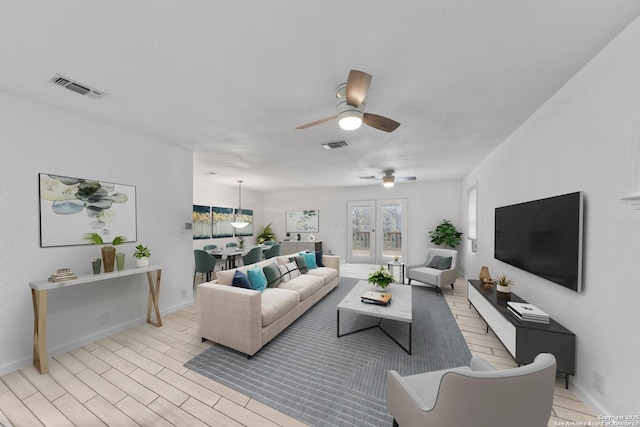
(400, 308)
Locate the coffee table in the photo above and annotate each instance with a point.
(399, 310)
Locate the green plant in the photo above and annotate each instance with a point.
(96, 239)
(446, 233)
(141, 252)
(266, 234)
(503, 280)
(381, 277)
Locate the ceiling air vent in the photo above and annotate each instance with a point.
(336, 144)
(76, 87)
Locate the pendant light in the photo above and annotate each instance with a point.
(238, 223)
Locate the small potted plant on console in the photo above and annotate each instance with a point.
(142, 254)
(503, 287)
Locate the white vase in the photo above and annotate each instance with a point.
(142, 262)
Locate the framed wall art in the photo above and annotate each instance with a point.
(247, 216)
(221, 219)
(71, 207)
(201, 222)
(306, 221)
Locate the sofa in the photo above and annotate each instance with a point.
(246, 319)
(438, 268)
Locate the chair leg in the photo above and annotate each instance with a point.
(409, 281)
(395, 423)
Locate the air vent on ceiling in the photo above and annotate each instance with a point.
(336, 144)
(76, 87)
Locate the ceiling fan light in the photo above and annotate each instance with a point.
(350, 119)
(387, 180)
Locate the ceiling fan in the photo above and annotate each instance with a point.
(350, 106)
(388, 178)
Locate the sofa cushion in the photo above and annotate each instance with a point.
(326, 273)
(310, 259)
(425, 275)
(445, 263)
(225, 277)
(257, 279)
(276, 303)
(272, 273)
(306, 285)
(240, 280)
(301, 262)
(319, 259)
(289, 271)
(434, 261)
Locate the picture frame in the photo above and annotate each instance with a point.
(247, 216)
(71, 207)
(304, 221)
(201, 222)
(221, 219)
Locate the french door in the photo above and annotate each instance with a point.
(377, 230)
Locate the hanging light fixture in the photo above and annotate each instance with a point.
(238, 223)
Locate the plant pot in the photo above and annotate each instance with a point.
(142, 262)
(503, 292)
(108, 258)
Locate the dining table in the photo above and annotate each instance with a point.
(231, 253)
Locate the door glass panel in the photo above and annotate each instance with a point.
(361, 231)
(392, 230)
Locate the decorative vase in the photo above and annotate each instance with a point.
(484, 274)
(97, 265)
(120, 261)
(142, 262)
(108, 258)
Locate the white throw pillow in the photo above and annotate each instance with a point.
(289, 271)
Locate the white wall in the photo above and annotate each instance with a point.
(580, 140)
(429, 203)
(35, 138)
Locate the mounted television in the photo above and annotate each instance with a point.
(543, 237)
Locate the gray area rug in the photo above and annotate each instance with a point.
(315, 377)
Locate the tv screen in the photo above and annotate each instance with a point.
(543, 237)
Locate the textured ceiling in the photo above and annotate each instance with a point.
(231, 80)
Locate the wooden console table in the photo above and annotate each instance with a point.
(39, 291)
(524, 340)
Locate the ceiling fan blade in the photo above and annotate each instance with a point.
(317, 122)
(379, 122)
(405, 178)
(357, 87)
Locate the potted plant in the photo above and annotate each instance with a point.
(108, 251)
(240, 242)
(381, 278)
(503, 287)
(446, 233)
(266, 234)
(142, 254)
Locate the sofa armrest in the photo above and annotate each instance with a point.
(230, 316)
(448, 277)
(331, 261)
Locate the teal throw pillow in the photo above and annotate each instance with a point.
(319, 259)
(301, 262)
(311, 261)
(257, 279)
(240, 280)
(445, 263)
(272, 273)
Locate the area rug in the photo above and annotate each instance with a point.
(321, 380)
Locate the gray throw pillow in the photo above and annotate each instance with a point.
(445, 263)
(435, 261)
(301, 262)
(273, 275)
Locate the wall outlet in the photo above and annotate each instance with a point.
(104, 319)
(598, 382)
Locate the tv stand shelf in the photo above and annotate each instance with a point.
(524, 340)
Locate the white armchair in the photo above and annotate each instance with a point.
(434, 276)
(475, 395)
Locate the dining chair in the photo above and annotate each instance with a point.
(253, 256)
(232, 244)
(205, 264)
(209, 247)
(275, 250)
(269, 242)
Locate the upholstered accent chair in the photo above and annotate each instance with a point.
(435, 270)
(475, 395)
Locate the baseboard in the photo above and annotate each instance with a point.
(589, 399)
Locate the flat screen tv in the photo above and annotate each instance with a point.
(543, 237)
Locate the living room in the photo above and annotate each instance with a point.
(584, 137)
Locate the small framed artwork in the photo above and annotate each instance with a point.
(306, 221)
(201, 222)
(247, 216)
(71, 207)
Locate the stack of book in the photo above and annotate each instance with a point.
(527, 312)
(376, 298)
(62, 274)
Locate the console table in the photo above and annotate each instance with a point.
(524, 340)
(39, 291)
(293, 246)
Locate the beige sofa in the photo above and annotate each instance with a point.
(245, 320)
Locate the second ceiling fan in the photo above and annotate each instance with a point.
(350, 106)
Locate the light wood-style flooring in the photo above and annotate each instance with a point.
(137, 377)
